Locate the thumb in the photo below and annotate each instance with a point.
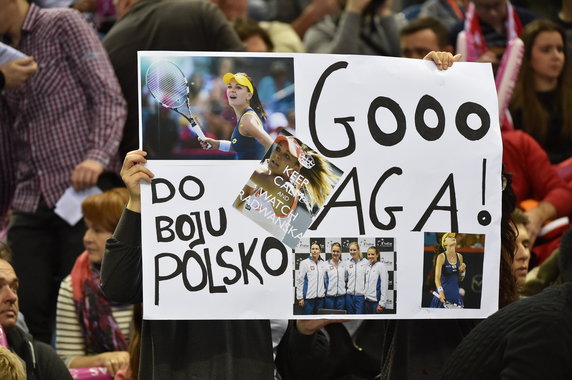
(457, 57)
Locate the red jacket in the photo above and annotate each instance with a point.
(533, 175)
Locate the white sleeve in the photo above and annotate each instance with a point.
(70, 341)
(384, 277)
(300, 280)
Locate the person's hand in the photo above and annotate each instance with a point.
(310, 326)
(85, 174)
(208, 143)
(357, 6)
(462, 267)
(301, 302)
(443, 59)
(18, 71)
(113, 361)
(379, 309)
(132, 173)
(537, 216)
(442, 296)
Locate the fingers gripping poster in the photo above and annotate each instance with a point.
(318, 186)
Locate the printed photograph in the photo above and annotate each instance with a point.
(288, 189)
(453, 270)
(213, 108)
(345, 276)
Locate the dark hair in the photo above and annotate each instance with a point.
(508, 287)
(525, 99)
(428, 23)
(246, 27)
(336, 244)
(519, 217)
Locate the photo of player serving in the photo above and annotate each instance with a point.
(289, 186)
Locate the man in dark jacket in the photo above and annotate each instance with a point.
(42, 362)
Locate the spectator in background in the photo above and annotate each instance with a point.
(522, 251)
(252, 35)
(61, 129)
(534, 178)
(90, 330)
(449, 12)
(283, 38)
(422, 36)
(300, 14)
(41, 360)
(542, 101)
(363, 27)
(165, 25)
(489, 27)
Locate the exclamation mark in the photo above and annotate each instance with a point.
(484, 217)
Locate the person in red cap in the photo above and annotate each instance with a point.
(249, 139)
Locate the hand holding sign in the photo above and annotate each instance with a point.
(132, 173)
(443, 59)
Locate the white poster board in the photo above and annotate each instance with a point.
(420, 154)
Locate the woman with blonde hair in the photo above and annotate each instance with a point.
(449, 270)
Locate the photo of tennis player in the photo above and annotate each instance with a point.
(249, 139)
(310, 285)
(208, 108)
(376, 281)
(453, 266)
(287, 189)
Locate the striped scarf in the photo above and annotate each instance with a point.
(100, 329)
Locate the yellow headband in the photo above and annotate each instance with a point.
(240, 78)
(445, 236)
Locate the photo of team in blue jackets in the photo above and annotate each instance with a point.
(345, 276)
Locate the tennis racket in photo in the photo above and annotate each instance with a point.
(169, 86)
(447, 304)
